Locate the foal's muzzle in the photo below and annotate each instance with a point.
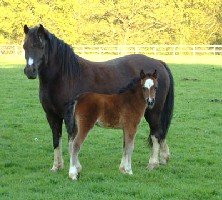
(150, 103)
(31, 72)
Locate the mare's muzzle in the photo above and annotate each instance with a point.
(30, 71)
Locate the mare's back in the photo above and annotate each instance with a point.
(109, 76)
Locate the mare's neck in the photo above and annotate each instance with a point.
(136, 97)
(62, 65)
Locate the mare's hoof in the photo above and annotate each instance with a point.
(164, 161)
(152, 166)
(57, 168)
(125, 171)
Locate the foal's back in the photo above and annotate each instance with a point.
(103, 109)
(112, 111)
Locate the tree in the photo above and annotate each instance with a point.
(115, 21)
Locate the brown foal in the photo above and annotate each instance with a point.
(123, 111)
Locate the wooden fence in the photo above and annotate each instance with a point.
(131, 49)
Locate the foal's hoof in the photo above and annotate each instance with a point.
(74, 177)
(152, 166)
(73, 173)
(125, 171)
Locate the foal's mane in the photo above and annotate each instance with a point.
(66, 58)
(131, 86)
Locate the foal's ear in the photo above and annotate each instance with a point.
(41, 32)
(142, 74)
(26, 29)
(155, 74)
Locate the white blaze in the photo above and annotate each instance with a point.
(30, 61)
(149, 83)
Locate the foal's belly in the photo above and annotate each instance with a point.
(114, 124)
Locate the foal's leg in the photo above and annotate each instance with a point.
(56, 127)
(75, 145)
(128, 146)
(164, 152)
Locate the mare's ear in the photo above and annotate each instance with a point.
(42, 33)
(142, 74)
(155, 74)
(26, 29)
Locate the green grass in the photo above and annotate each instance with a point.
(195, 140)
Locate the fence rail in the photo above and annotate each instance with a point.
(131, 49)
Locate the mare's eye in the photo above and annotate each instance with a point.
(37, 45)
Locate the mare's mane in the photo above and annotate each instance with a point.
(66, 58)
(131, 86)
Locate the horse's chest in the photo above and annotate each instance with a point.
(50, 102)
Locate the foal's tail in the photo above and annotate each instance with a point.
(167, 113)
(69, 120)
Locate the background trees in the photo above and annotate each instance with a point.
(116, 21)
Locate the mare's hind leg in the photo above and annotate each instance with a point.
(128, 146)
(56, 127)
(164, 152)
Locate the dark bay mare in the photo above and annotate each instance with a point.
(63, 76)
(122, 111)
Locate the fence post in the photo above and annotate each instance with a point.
(154, 50)
(100, 52)
(194, 50)
(174, 50)
(16, 49)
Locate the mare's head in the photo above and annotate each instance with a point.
(149, 84)
(36, 50)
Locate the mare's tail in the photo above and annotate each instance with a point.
(167, 113)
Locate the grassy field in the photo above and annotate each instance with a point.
(195, 140)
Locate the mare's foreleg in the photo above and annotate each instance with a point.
(157, 138)
(158, 147)
(56, 126)
(128, 147)
(154, 158)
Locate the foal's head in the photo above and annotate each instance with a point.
(149, 84)
(35, 46)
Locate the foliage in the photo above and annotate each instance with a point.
(194, 138)
(115, 21)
